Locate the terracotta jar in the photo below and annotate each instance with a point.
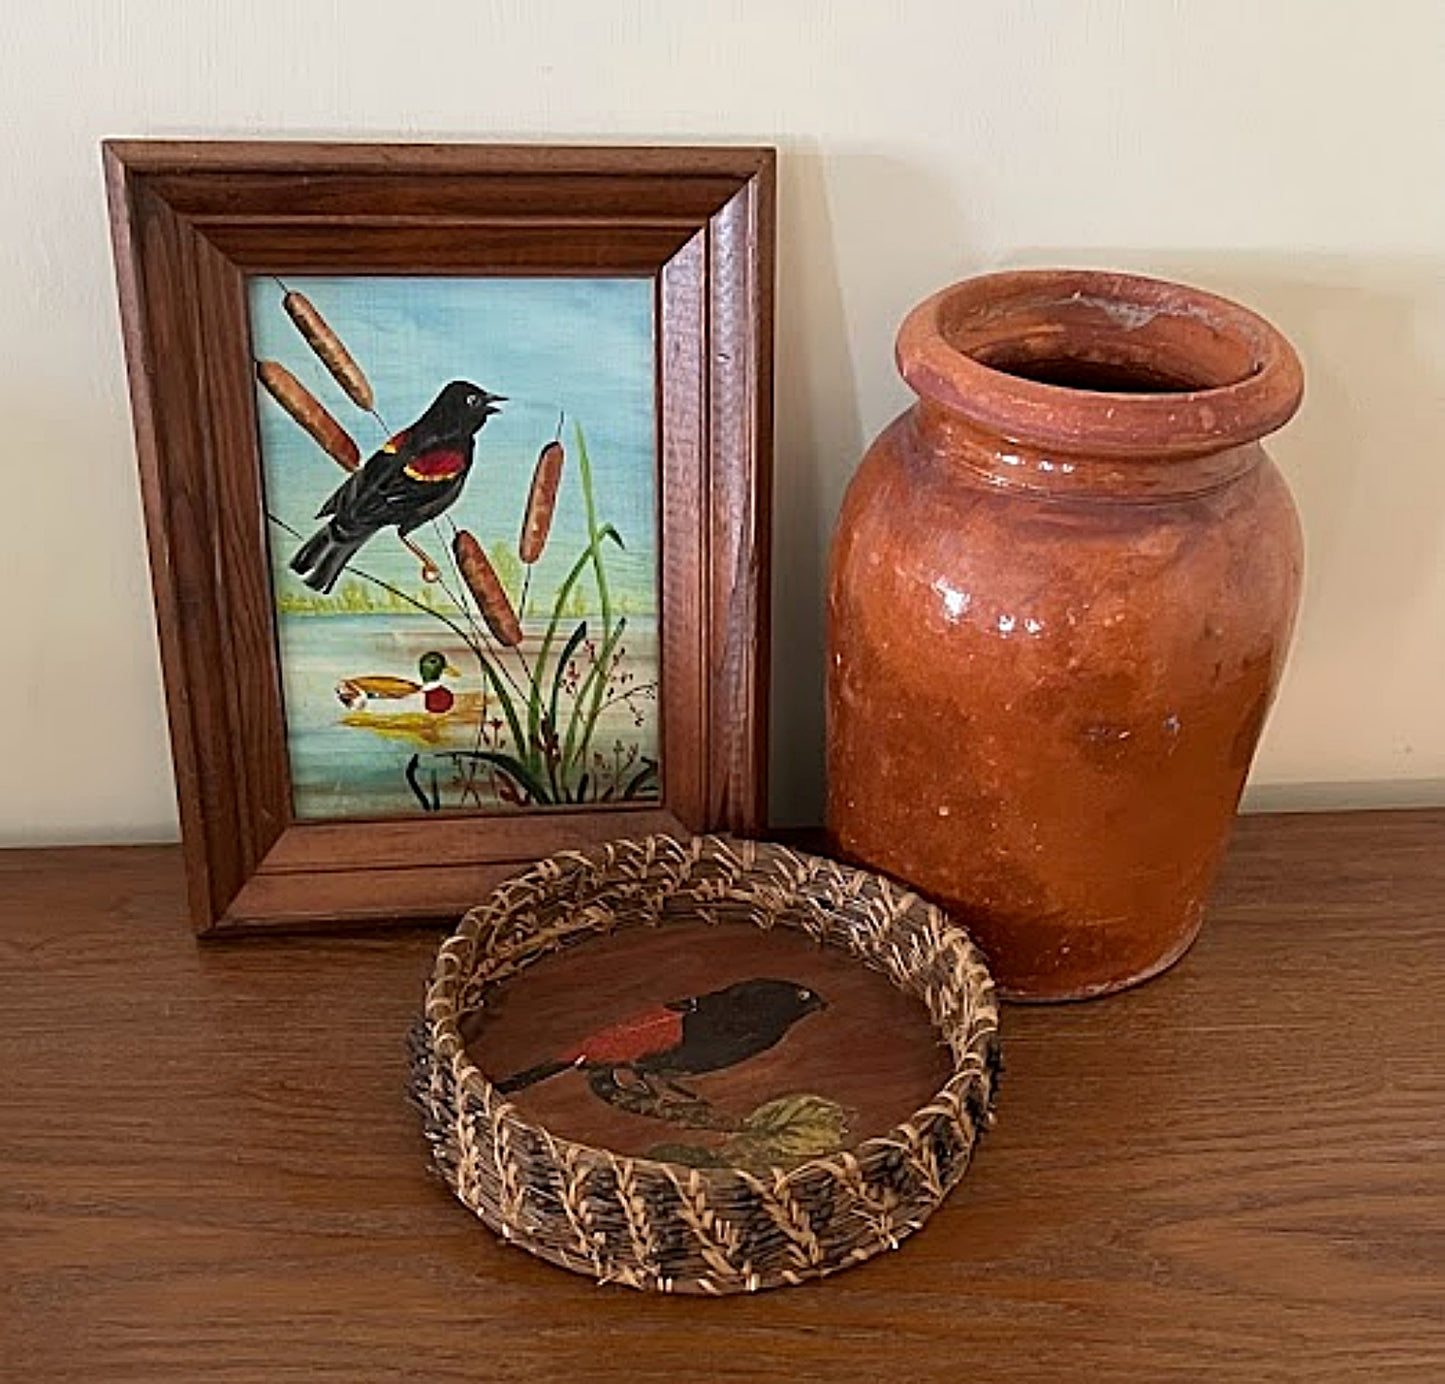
(1062, 588)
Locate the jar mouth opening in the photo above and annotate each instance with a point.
(1104, 362)
(1096, 373)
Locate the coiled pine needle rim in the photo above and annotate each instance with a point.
(665, 1226)
(474, 1079)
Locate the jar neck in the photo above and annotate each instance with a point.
(1082, 382)
(999, 463)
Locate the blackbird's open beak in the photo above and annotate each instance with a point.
(490, 402)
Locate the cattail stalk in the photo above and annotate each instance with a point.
(307, 410)
(430, 572)
(541, 502)
(484, 584)
(330, 350)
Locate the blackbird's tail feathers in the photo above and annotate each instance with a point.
(532, 1076)
(333, 500)
(304, 558)
(320, 561)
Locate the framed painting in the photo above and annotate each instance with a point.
(456, 465)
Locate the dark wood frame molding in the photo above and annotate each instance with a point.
(191, 221)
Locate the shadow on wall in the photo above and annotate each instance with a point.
(862, 236)
(83, 741)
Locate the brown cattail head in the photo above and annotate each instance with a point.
(541, 502)
(484, 584)
(329, 350)
(309, 412)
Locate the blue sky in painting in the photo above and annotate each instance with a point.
(580, 345)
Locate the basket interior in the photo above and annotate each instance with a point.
(855, 1059)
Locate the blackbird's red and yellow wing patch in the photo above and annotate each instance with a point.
(435, 466)
(630, 1041)
(393, 445)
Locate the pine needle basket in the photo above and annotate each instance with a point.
(669, 1227)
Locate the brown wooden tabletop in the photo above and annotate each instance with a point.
(208, 1171)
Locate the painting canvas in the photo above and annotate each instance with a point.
(460, 486)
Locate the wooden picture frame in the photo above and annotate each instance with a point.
(193, 222)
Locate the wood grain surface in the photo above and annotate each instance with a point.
(1235, 1172)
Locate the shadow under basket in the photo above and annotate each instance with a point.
(660, 1063)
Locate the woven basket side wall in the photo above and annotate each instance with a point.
(654, 1225)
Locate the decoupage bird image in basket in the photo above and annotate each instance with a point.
(646, 1055)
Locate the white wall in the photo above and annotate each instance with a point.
(1288, 152)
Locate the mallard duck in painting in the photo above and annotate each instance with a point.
(401, 695)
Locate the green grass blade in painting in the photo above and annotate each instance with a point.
(638, 781)
(593, 689)
(584, 468)
(559, 780)
(590, 554)
(514, 724)
(517, 771)
(594, 685)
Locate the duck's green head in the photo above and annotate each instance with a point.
(434, 666)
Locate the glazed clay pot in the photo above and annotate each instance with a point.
(1062, 588)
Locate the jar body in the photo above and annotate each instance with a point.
(1043, 703)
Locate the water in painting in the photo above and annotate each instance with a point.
(460, 488)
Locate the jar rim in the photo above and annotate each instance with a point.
(1168, 370)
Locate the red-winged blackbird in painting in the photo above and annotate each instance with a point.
(704, 1033)
(411, 480)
